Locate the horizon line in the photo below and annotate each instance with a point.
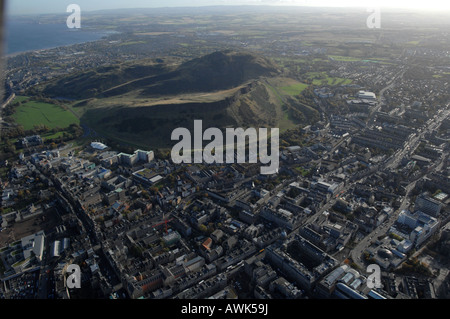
(388, 8)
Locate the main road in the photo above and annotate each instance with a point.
(389, 85)
(409, 147)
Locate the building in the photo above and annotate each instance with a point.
(98, 146)
(285, 288)
(422, 225)
(326, 286)
(325, 188)
(428, 205)
(33, 140)
(137, 156)
(345, 292)
(171, 238)
(138, 286)
(292, 268)
(366, 95)
(146, 176)
(281, 217)
(33, 244)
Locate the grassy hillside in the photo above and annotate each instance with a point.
(217, 71)
(141, 103)
(213, 72)
(88, 84)
(254, 105)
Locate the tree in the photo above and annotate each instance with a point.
(136, 251)
(20, 194)
(203, 228)
(145, 194)
(210, 228)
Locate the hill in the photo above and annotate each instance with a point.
(216, 71)
(141, 103)
(91, 83)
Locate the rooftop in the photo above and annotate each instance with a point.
(98, 146)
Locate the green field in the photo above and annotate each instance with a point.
(438, 76)
(20, 98)
(302, 171)
(294, 89)
(131, 43)
(34, 113)
(49, 136)
(321, 78)
(344, 58)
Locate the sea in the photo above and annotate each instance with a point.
(23, 36)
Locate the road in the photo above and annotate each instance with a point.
(414, 140)
(8, 100)
(392, 163)
(380, 103)
(357, 251)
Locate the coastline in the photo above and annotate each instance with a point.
(103, 34)
(11, 55)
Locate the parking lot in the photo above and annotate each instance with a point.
(24, 286)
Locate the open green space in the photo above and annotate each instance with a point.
(438, 76)
(302, 171)
(131, 43)
(321, 78)
(294, 89)
(21, 98)
(344, 58)
(49, 136)
(32, 113)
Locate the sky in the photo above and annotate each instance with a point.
(59, 6)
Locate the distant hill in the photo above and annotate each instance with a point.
(88, 84)
(216, 71)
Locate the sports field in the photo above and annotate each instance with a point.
(33, 113)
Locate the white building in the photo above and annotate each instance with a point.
(137, 156)
(365, 95)
(407, 218)
(33, 244)
(423, 226)
(98, 146)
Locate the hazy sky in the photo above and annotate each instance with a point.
(55, 6)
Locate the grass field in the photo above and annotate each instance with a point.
(33, 113)
(344, 58)
(20, 98)
(49, 136)
(301, 170)
(132, 42)
(321, 78)
(294, 89)
(438, 76)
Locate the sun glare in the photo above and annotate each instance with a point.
(407, 4)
